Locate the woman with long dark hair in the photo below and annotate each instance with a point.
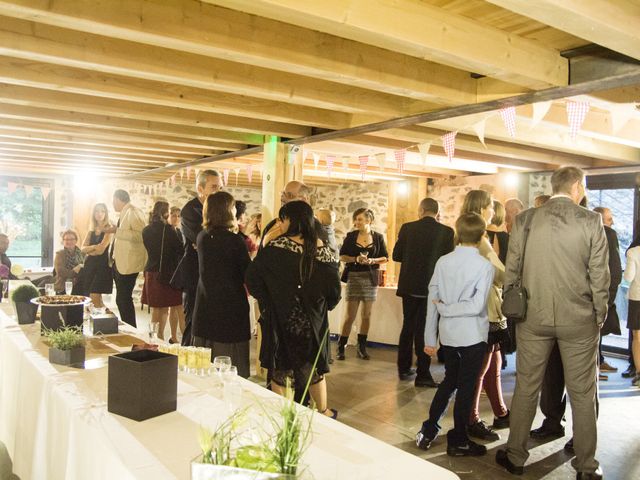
(221, 313)
(295, 279)
(164, 250)
(98, 277)
(481, 203)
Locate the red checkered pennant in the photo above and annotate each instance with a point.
(508, 115)
(249, 172)
(399, 156)
(576, 113)
(449, 144)
(225, 176)
(330, 159)
(364, 160)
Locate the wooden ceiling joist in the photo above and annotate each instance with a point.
(423, 31)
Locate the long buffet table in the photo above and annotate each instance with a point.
(55, 425)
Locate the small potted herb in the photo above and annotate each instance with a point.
(25, 310)
(66, 345)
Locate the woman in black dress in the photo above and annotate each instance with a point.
(363, 251)
(221, 314)
(97, 275)
(497, 232)
(295, 279)
(164, 250)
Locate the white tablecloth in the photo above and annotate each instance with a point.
(386, 317)
(55, 425)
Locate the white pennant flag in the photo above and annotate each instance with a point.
(424, 148)
(540, 110)
(345, 163)
(479, 128)
(225, 177)
(28, 190)
(45, 192)
(381, 158)
(237, 172)
(316, 160)
(620, 115)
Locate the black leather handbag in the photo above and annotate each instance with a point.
(515, 298)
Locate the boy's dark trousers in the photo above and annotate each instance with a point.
(461, 369)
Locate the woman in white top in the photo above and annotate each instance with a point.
(632, 275)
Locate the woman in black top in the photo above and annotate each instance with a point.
(164, 250)
(221, 314)
(98, 277)
(295, 279)
(497, 232)
(363, 251)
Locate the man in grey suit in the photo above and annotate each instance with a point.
(566, 275)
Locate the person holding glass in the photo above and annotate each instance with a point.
(221, 312)
(68, 264)
(295, 279)
(97, 275)
(363, 251)
(480, 202)
(164, 250)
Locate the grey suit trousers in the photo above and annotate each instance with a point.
(579, 351)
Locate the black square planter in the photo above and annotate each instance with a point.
(104, 324)
(26, 312)
(73, 357)
(142, 384)
(72, 314)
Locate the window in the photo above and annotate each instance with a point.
(26, 213)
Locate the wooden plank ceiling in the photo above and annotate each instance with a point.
(126, 86)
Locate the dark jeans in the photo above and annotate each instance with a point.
(414, 311)
(124, 296)
(189, 302)
(553, 401)
(461, 369)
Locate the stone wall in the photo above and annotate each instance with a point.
(539, 184)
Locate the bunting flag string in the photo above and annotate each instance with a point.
(479, 128)
(424, 148)
(225, 177)
(330, 159)
(249, 172)
(449, 144)
(508, 115)
(381, 158)
(45, 191)
(576, 113)
(364, 160)
(399, 156)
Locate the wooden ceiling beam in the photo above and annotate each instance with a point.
(423, 31)
(226, 34)
(45, 43)
(197, 137)
(27, 96)
(72, 165)
(614, 25)
(87, 156)
(46, 76)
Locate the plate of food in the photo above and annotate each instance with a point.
(60, 300)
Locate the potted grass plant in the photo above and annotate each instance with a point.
(66, 345)
(25, 309)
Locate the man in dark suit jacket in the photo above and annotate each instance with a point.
(420, 244)
(186, 277)
(566, 274)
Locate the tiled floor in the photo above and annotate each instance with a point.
(370, 398)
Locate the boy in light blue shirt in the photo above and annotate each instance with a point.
(458, 294)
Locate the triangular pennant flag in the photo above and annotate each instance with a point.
(225, 176)
(363, 160)
(424, 148)
(45, 192)
(316, 160)
(345, 163)
(381, 158)
(508, 115)
(576, 113)
(249, 172)
(399, 156)
(196, 172)
(540, 110)
(237, 172)
(449, 144)
(181, 175)
(28, 190)
(173, 180)
(620, 115)
(479, 128)
(12, 186)
(330, 159)
(188, 173)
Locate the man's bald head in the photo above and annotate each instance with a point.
(295, 190)
(512, 207)
(607, 216)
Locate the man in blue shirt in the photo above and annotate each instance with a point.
(458, 294)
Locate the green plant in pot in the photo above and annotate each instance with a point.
(66, 345)
(25, 310)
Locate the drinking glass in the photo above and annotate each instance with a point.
(174, 349)
(182, 359)
(231, 389)
(192, 360)
(68, 287)
(49, 289)
(204, 361)
(221, 364)
(153, 332)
